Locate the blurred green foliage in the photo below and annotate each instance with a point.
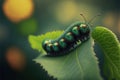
(28, 26)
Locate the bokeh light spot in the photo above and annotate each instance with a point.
(15, 58)
(109, 19)
(17, 10)
(65, 11)
(28, 26)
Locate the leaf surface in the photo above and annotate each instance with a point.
(80, 64)
(110, 45)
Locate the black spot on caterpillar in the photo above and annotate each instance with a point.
(74, 35)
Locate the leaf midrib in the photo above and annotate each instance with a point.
(80, 67)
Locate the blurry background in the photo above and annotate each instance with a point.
(21, 18)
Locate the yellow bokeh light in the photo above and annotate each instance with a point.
(65, 11)
(17, 10)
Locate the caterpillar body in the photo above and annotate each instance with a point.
(74, 34)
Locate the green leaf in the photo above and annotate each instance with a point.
(111, 48)
(80, 64)
(36, 41)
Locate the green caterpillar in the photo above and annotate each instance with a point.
(74, 35)
(76, 32)
(111, 48)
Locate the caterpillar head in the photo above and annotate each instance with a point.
(84, 28)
